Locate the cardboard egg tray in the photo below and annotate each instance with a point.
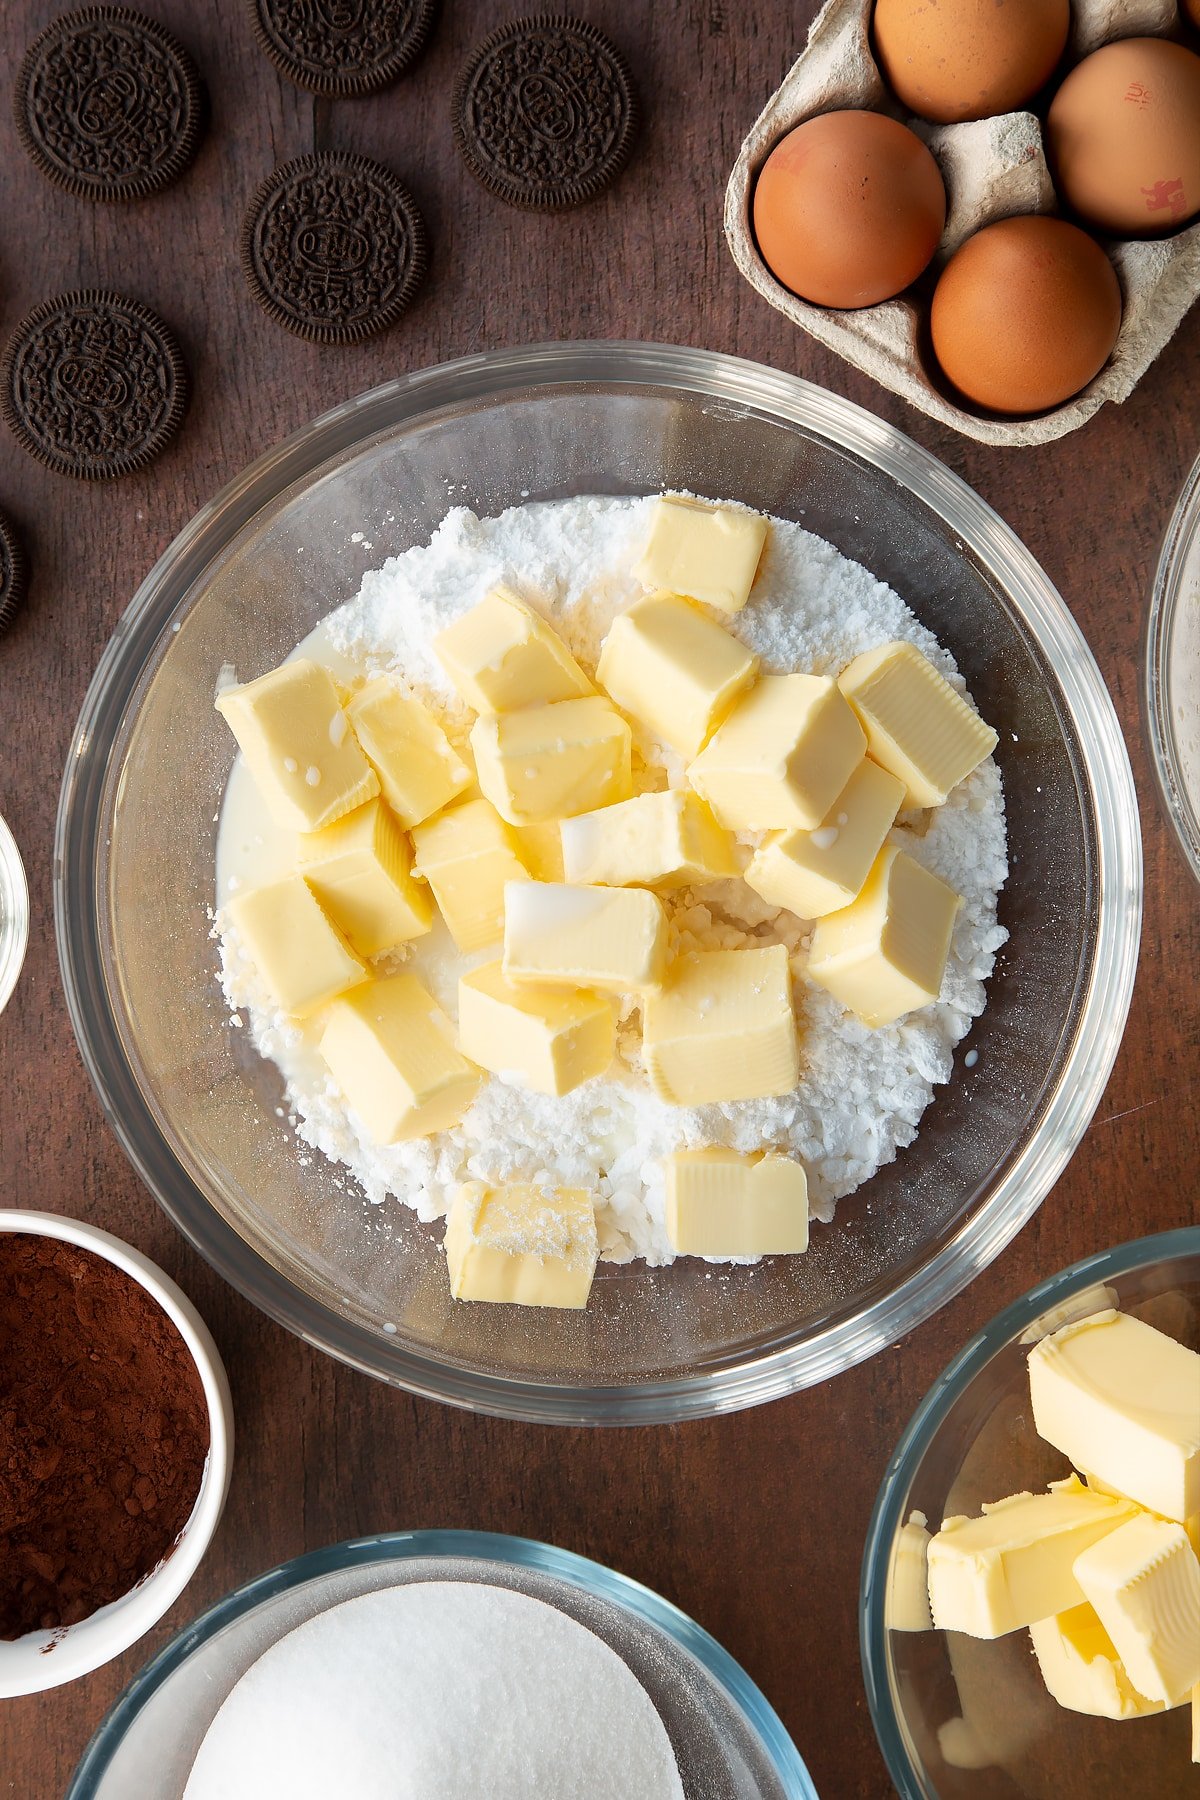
(992, 169)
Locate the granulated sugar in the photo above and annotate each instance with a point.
(434, 1691)
(861, 1092)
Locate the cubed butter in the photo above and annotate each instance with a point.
(907, 1604)
(360, 869)
(917, 725)
(885, 953)
(614, 939)
(710, 553)
(1081, 1668)
(390, 1048)
(300, 956)
(654, 840)
(812, 873)
(546, 1038)
(782, 756)
(674, 670)
(502, 656)
(1144, 1582)
(726, 1203)
(551, 762)
(522, 1244)
(418, 770)
(467, 854)
(1015, 1564)
(1122, 1400)
(298, 745)
(721, 1028)
(541, 851)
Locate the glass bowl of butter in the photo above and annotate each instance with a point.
(1030, 1606)
(205, 1118)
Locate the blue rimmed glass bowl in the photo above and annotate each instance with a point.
(728, 1741)
(962, 1719)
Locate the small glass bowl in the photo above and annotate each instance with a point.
(942, 1701)
(727, 1739)
(14, 914)
(1171, 670)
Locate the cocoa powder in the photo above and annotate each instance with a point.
(103, 1433)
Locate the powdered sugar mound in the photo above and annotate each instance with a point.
(861, 1092)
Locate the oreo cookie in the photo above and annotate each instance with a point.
(545, 113)
(342, 48)
(93, 384)
(109, 104)
(333, 247)
(14, 574)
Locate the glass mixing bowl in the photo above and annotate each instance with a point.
(196, 1109)
(1171, 670)
(729, 1743)
(943, 1702)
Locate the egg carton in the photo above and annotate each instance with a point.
(992, 168)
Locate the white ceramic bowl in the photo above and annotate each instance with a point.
(14, 914)
(47, 1659)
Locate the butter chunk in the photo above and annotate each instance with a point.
(614, 939)
(1144, 1582)
(522, 1245)
(812, 873)
(418, 771)
(301, 958)
(665, 840)
(725, 1203)
(885, 954)
(721, 1028)
(298, 745)
(782, 756)
(540, 848)
(390, 1048)
(550, 762)
(502, 656)
(1081, 1668)
(674, 670)
(907, 1604)
(1122, 1400)
(917, 725)
(360, 869)
(1015, 1564)
(549, 1039)
(467, 854)
(711, 553)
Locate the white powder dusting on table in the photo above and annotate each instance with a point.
(861, 1091)
(433, 1691)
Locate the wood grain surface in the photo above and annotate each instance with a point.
(753, 1524)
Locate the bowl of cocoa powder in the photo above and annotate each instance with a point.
(116, 1438)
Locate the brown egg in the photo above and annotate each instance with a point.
(1123, 133)
(1025, 313)
(1190, 11)
(848, 208)
(968, 59)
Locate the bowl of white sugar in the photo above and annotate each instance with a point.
(441, 1663)
(740, 1163)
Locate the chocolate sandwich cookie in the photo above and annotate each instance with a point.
(343, 47)
(109, 104)
(545, 112)
(333, 247)
(14, 574)
(93, 384)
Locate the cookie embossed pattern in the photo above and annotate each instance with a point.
(334, 247)
(108, 104)
(545, 114)
(93, 384)
(343, 48)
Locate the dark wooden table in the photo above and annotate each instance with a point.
(753, 1524)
